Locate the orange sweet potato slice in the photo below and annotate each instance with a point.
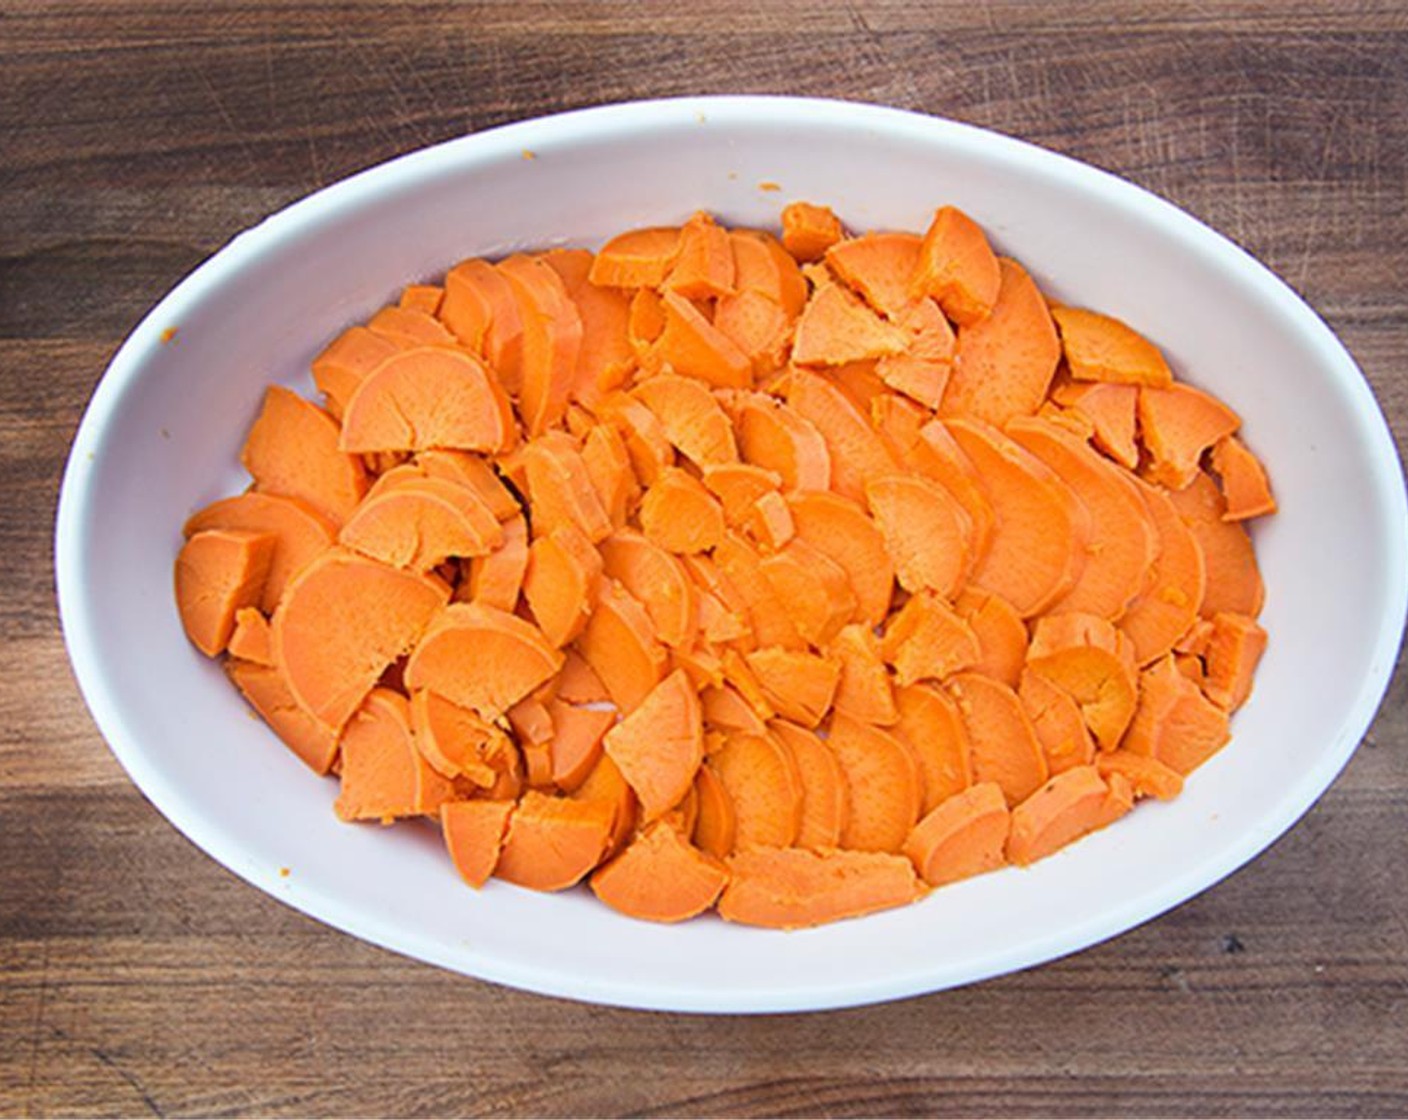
(963, 836)
(638, 258)
(725, 709)
(758, 326)
(704, 267)
(739, 487)
(300, 533)
(1233, 580)
(760, 777)
(480, 309)
(341, 622)
(482, 658)
(552, 340)
(577, 741)
(475, 472)
(692, 346)
(659, 745)
(454, 740)
(885, 788)
(809, 230)
(841, 530)
(761, 265)
(1001, 633)
(957, 267)
(690, 417)
(474, 834)
(292, 450)
(825, 799)
(715, 821)
(1147, 776)
(1101, 348)
(419, 523)
(878, 267)
(429, 397)
(658, 580)
(773, 435)
(1174, 722)
(383, 775)
(406, 327)
(679, 514)
(561, 582)
(553, 843)
(927, 532)
(771, 524)
(1058, 722)
(740, 675)
(345, 363)
(620, 645)
(495, 580)
(813, 589)
(1123, 542)
(1176, 425)
(425, 298)
(1234, 649)
(218, 572)
(837, 327)
(791, 888)
(251, 639)
(1244, 483)
(797, 685)
(934, 453)
(926, 639)
(856, 450)
(1006, 360)
(1110, 410)
(864, 690)
(577, 683)
(1092, 662)
(1066, 808)
(560, 490)
(268, 693)
(932, 726)
(1004, 745)
(609, 469)
(1174, 586)
(1038, 543)
(660, 877)
(606, 786)
(741, 567)
(604, 358)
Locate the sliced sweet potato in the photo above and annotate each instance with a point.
(1001, 633)
(771, 524)
(759, 775)
(660, 877)
(482, 658)
(218, 572)
(341, 622)
(927, 640)
(878, 266)
(775, 436)
(680, 515)
(561, 582)
(1234, 649)
(495, 580)
(841, 530)
(1110, 410)
(762, 265)
(251, 639)
(932, 726)
(837, 327)
(703, 268)
(577, 683)
(715, 822)
(345, 363)
(1233, 580)
(1123, 541)
(552, 340)
(1092, 662)
(690, 417)
(1176, 425)
(475, 472)
(1174, 722)
(553, 843)
(609, 469)
(1101, 348)
(659, 745)
(726, 710)
(1147, 776)
(638, 258)
(605, 358)
(419, 523)
(429, 397)
(791, 888)
(758, 326)
(885, 788)
(927, 532)
(1006, 360)
(936, 455)
(407, 326)
(292, 450)
(619, 644)
(560, 490)
(268, 693)
(1174, 586)
(1004, 745)
(864, 691)
(1038, 544)
(1066, 808)
(383, 775)
(474, 834)
(812, 588)
(739, 487)
(856, 451)
(963, 836)
(809, 230)
(1058, 722)
(797, 685)
(741, 567)
(1244, 483)
(957, 267)
(479, 309)
(606, 786)
(825, 798)
(658, 580)
(692, 346)
(454, 740)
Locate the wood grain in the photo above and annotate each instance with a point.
(138, 977)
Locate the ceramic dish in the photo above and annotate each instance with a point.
(162, 435)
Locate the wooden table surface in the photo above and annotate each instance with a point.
(138, 976)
